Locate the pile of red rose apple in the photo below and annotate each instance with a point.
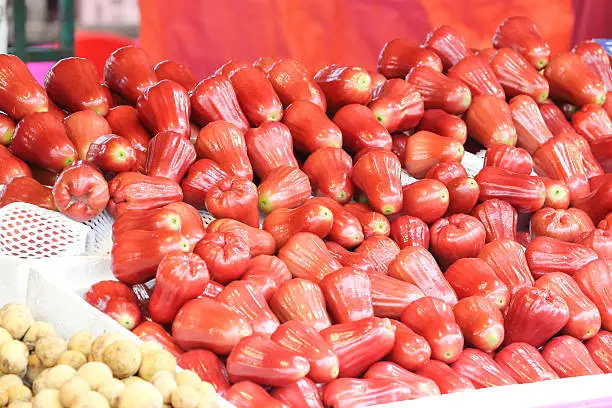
(371, 291)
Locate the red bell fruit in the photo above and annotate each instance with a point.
(176, 72)
(594, 279)
(200, 178)
(223, 143)
(266, 273)
(448, 380)
(446, 171)
(41, 139)
(399, 56)
(230, 67)
(417, 266)
(602, 151)
(74, 84)
(517, 76)
(192, 225)
(498, 217)
(151, 331)
(410, 231)
(360, 344)
(422, 386)
(398, 105)
(450, 45)
(245, 299)
(557, 194)
(600, 241)
(585, 320)
(147, 220)
(515, 159)
(292, 82)
(525, 193)
(214, 99)
(600, 349)
(426, 149)
(246, 393)
(112, 154)
(377, 174)
(129, 72)
(378, 252)
(256, 96)
(478, 75)
(531, 130)
(170, 155)
(343, 85)
(361, 129)
(347, 295)
(572, 81)
(27, 190)
(100, 293)
(372, 222)
(455, 237)
(592, 122)
(481, 322)
(124, 122)
(81, 192)
(433, 319)
(554, 119)
(425, 199)
(20, 94)
(12, 167)
(569, 225)
(524, 363)
(135, 191)
(329, 170)
(444, 124)
(207, 366)
(300, 394)
(390, 296)
(136, 254)
(522, 35)
(569, 357)
(259, 241)
(312, 217)
(179, 279)
(480, 368)
(439, 91)
(302, 301)
(308, 343)
(226, 254)
(507, 259)
(269, 146)
(357, 392)
(597, 59)
(206, 323)
(534, 315)
(346, 229)
(284, 187)
(545, 255)
(124, 312)
(307, 257)
(474, 278)
(489, 120)
(463, 195)
(7, 129)
(165, 107)
(597, 204)
(410, 350)
(83, 128)
(234, 197)
(310, 128)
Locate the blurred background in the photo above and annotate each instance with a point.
(203, 34)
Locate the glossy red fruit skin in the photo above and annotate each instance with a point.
(399, 56)
(12, 167)
(455, 237)
(20, 94)
(343, 85)
(226, 255)
(480, 368)
(310, 217)
(569, 225)
(592, 122)
(27, 190)
(292, 82)
(572, 81)
(534, 316)
(169, 155)
(545, 255)
(410, 350)
(256, 96)
(81, 192)
(224, 143)
(378, 252)
(433, 319)
(606, 222)
(515, 159)
(346, 229)
(151, 331)
(329, 170)
(507, 259)
(426, 199)
(473, 277)
(360, 129)
(523, 192)
(597, 203)
(398, 105)
(448, 380)
(478, 76)
(498, 217)
(481, 322)
(310, 128)
(176, 72)
(446, 171)
(417, 266)
(557, 193)
(463, 195)
(124, 121)
(531, 130)
(259, 241)
(246, 393)
(266, 273)
(129, 72)
(200, 178)
(597, 59)
(192, 225)
(230, 67)
(207, 366)
(425, 149)
(100, 293)
(269, 146)
(41, 139)
(234, 197)
(290, 300)
(148, 220)
(600, 241)
(444, 124)
(307, 257)
(307, 342)
(377, 174)
(112, 154)
(83, 128)
(360, 344)
(600, 349)
(448, 44)
(517, 76)
(372, 222)
(347, 295)
(357, 392)
(593, 279)
(7, 129)
(489, 120)
(601, 150)
(421, 386)
(554, 118)
(569, 357)
(124, 312)
(439, 91)
(300, 394)
(165, 106)
(377, 80)
(284, 187)
(522, 35)
(524, 363)
(410, 231)
(214, 99)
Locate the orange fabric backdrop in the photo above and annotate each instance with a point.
(203, 34)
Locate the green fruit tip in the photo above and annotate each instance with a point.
(175, 222)
(541, 63)
(388, 209)
(68, 161)
(466, 101)
(126, 322)
(325, 212)
(341, 196)
(8, 137)
(101, 111)
(185, 245)
(42, 109)
(381, 227)
(275, 116)
(543, 96)
(380, 118)
(601, 98)
(363, 81)
(264, 205)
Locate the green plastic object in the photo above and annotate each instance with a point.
(66, 41)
